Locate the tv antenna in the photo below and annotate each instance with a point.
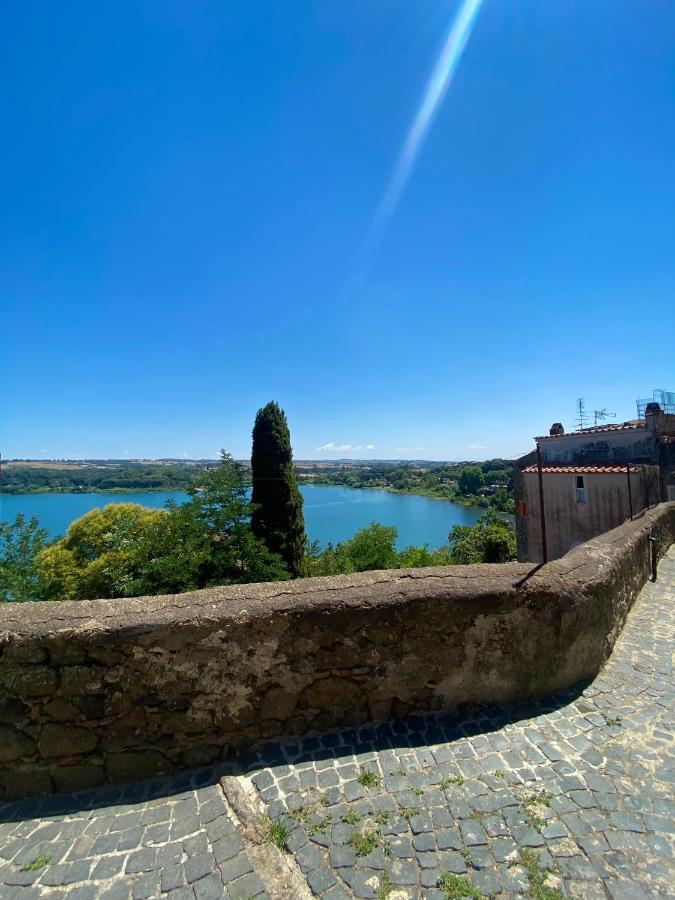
(601, 414)
(582, 417)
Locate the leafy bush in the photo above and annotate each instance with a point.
(490, 540)
(20, 543)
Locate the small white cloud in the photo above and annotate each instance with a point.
(409, 449)
(332, 447)
(477, 447)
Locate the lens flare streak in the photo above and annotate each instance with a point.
(439, 82)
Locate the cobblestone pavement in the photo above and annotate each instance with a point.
(571, 794)
(167, 836)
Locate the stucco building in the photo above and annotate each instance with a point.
(592, 480)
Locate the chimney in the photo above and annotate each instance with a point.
(654, 418)
(556, 429)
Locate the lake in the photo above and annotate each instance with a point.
(332, 513)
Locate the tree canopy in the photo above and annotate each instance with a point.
(20, 543)
(126, 550)
(490, 540)
(277, 503)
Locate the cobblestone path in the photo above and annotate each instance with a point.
(567, 796)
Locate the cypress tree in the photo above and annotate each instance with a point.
(277, 503)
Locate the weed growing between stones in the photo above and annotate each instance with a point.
(453, 779)
(40, 861)
(364, 842)
(384, 888)
(465, 853)
(499, 773)
(418, 791)
(352, 817)
(320, 827)
(532, 807)
(301, 814)
(537, 876)
(612, 720)
(400, 773)
(366, 778)
(275, 831)
(408, 812)
(457, 886)
(381, 816)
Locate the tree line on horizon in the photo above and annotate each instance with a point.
(218, 537)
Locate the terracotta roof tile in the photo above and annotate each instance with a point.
(631, 425)
(581, 470)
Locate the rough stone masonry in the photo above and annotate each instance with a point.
(117, 690)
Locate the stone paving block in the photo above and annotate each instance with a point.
(364, 884)
(481, 858)
(450, 861)
(402, 871)
(486, 881)
(196, 844)
(320, 879)
(66, 873)
(337, 892)
(84, 892)
(119, 890)
(172, 877)
(169, 854)
(308, 857)
(227, 846)
(141, 861)
(209, 888)
(197, 867)
(130, 838)
(145, 886)
(108, 867)
(473, 833)
(182, 893)
(235, 867)
(247, 886)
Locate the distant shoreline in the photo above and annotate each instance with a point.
(163, 490)
(410, 493)
(138, 490)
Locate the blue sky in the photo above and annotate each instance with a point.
(185, 189)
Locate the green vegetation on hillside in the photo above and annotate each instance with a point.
(488, 484)
(491, 539)
(221, 537)
(96, 476)
(126, 550)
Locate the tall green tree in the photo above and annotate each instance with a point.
(490, 540)
(471, 480)
(277, 503)
(20, 543)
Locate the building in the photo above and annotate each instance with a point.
(592, 480)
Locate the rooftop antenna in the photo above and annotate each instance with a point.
(582, 419)
(601, 414)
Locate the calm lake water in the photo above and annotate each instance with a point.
(331, 513)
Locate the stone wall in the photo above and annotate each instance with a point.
(113, 690)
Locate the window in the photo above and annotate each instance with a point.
(581, 490)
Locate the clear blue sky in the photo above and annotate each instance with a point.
(186, 186)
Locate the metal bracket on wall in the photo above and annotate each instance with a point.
(654, 558)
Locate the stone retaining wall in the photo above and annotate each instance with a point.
(114, 690)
